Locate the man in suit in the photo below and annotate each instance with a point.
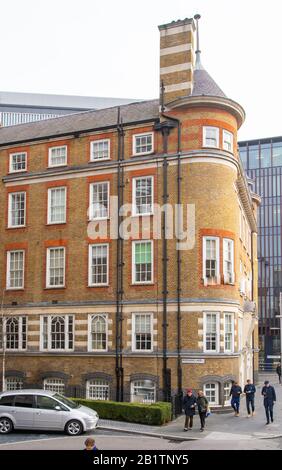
(269, 398)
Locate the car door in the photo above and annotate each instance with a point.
(46, 415)
(23, 411)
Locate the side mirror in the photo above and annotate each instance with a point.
(58, 408)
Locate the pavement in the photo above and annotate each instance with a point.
(219, 427)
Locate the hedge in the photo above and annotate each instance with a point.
(156, 413)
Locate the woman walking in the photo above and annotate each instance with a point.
(203, 406)
(189, 405)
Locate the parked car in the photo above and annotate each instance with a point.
(43, 409)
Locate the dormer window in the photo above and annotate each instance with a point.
(210, 136)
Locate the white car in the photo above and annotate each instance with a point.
(43, 409)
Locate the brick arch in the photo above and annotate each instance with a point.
(97, 375)
(15, 373)
(143, 376)
(54, 374)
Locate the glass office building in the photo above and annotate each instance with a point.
(262, 160)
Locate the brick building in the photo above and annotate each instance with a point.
(131, 317)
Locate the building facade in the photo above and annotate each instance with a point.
(262, 161)
(20, 108)
(125, 314)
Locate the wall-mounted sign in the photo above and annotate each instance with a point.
(193, 361)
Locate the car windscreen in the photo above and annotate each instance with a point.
(66, 401)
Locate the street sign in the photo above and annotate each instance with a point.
(193, 361)
(273, 357)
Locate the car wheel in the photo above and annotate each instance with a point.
(6, 425)
(74, 428)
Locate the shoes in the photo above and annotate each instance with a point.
(248, 416)
(185, 429)
(272, 420)
(190, 429)
(253, 413)
(202, 430)
(267, 423)
(237, 414)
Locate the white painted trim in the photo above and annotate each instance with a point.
(49, 339)
(10, 208)
(175, 49)
(205, 238)
(134, 153)
(48, 286)
(91, 316)
(50, 165)
(91, 199)
(216, 392)
(49, 205)
(178, 87)
(4, 329)
(206, 351)
(224, 133)
(205, 136)
(233, 329)
(99, 141)
(176, 68)
(8, 274)
(133, 337)
(133, 262)
(11, 155)
(175, 30)
(90, 264)
(134, 211)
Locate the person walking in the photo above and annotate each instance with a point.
(269, 398)
(189, 405)
(250, 391)
(235, 393)
(203, 406)
(278, 372)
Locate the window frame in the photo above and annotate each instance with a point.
(133, 265)
(216, 393)
(141, 134)
(52, 165)
(21, 333)
(91, 317)
(133, 386)
(101, 284)
(229, 314)
(48, 277)
(134, 206)
(49, 222)
(8, 270)
(105, 385)
(98, 183)
(99, 141)
(205, 137)
(10, 207)
(49, 333)
(217, 248)
(14, 378)
(11, 155)
(133, 333)
(224, 133)
(226, 274)
(217, 349)
(46, 379)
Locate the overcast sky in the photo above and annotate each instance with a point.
(111, 48)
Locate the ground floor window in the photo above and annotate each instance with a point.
(55, 385)
(211, 392)
(14, 383)
(143, 391)
(226, 392)
(97, 389)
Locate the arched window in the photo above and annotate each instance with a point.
(97, 389)
(58, 333)
(226, 392)
(143, 391)
(54, 384)
(14, 383)
(98, 333)
(211, 392)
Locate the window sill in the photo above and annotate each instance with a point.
(143, 153)
(97, 285)
(55, 288)
(99, 160)
(63, 165)
(134, 284)
(16, 172)
(51, 224)
(15, 289)
(16, 227)
(147, 214)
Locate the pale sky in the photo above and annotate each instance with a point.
(111, 48)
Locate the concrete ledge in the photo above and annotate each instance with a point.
(151, 434)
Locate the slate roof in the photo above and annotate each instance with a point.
(205, 85)
(80, 122)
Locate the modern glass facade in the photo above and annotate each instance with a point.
(262, 160)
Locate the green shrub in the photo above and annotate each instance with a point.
(156, 413)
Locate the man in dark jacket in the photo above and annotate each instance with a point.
(189, 405)
(278, 372)
(269, 399)
(203, 405)
(250, 391)
(235, 393)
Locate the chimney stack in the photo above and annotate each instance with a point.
(176, 59)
